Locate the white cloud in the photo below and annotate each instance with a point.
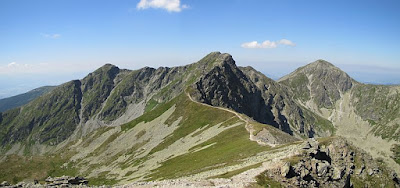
(12, 64)
(169, 5)
(255, 44)
(15, 65)
(267, 44)
(52, 36)
(286, 42)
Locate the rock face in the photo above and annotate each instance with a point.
(288, 115)
(320, 81)
(113, 96)
(225, 85)
(332, 165)
(248, 91)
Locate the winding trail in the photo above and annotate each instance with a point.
(249, 128)
(221, 108)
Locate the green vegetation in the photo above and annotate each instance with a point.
(195, 116)
(293, 160)
(48, 121)
(321, 124)
(102, 179)
(299, 83)
(231, 146)
(117, 101)
(396, 153)
(97, 86)
(151, 115)
(17, 168)
(22, 99)
(265, 181)
(236, 172)
(150, 105)
(380, 106)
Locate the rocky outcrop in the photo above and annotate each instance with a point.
(55, 182)
(248, 91)
(226, 86)
(335, 164)
(288, 115)
(65, 181)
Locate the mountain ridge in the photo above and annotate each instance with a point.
(24, 98)
(146, 124)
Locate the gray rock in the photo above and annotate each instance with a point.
(370, 172)
(304, 172)
(306, 146)
(322, 168)
(285, 169)
(360, 170)
(337, 173)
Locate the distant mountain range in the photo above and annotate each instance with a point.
(202, 120)
(22, 99)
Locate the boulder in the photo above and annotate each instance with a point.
(337, 173)
(4, 183)
(304, 172)
(285, 169)
(306, 146)
(322, 168)
(370, 172)
(360, 170)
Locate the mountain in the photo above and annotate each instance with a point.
(21, 99)
(200, 121)
(319, 83)
(367, 115)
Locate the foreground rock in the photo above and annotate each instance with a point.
(63, 181)
(334, 163)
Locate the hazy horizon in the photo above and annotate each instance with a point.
(50, 42)
(273, 70)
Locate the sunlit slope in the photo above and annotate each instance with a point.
(176, 139)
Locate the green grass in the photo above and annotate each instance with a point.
(102, 179)
(17, 168)
(236, 172)
(231, 146)
(293, 160)
(265, 181)
(194, 116)
(149, 116)
(396, 153)
(150, 105)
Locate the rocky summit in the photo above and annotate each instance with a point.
(205, 124)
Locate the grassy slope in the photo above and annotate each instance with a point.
(380, 106)
(230, 147)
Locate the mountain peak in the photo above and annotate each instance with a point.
(322, 62)
(216, 59)
(108, 66)
(320, 81)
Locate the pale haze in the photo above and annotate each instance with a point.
(50, 42)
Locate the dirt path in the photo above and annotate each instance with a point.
(249, 128)
(267, 160)
(221, 108)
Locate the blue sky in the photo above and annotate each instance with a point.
(47, 42)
